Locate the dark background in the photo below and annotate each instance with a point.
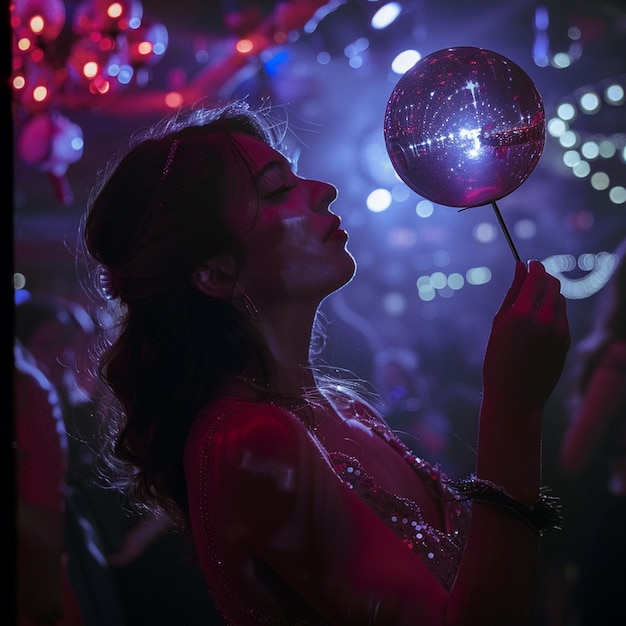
(338, 111)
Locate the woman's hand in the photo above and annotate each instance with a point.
(528, 343)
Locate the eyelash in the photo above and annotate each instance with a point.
(280, 191)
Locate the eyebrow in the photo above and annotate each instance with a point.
(274, 164)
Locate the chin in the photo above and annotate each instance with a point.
(340, 275)
(349, 273)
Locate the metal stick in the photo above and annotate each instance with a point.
(505, 230)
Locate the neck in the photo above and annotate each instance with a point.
(289, 381)
(287, 331)
(302, 400)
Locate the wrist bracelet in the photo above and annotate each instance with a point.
(543, 514)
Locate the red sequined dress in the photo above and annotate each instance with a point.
(439, 550)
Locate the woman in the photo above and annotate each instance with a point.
(303, 506)
(43, 585)
(593, 455)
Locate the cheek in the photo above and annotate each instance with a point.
(294, 235)
(275, 233)
(275, 256)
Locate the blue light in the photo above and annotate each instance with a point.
(273, 65)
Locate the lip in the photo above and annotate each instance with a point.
(339, 234)
(335, 231)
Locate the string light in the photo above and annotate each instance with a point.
(581, 147)
(543, 53)
(597, 270)
(429, 286)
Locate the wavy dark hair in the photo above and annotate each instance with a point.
(157, 214)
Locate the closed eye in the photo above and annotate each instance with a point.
(280, 191)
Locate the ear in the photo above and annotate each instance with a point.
(215, 278)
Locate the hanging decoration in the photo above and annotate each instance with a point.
(90, 59)
(111, 43)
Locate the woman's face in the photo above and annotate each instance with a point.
(295, 247)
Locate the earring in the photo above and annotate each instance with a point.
(251, 310)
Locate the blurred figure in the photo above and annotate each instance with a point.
(126, 569)
(51, 328)
(44, 592)
(593, 453)
(56, 332)
(141, 536)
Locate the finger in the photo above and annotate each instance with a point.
(533, 290)
(516, 286)
(552, 310)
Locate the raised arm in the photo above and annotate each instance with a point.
(277, 507)
(524, 359)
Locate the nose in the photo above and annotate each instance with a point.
(323, 194)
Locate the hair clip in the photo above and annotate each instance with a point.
(170, 159)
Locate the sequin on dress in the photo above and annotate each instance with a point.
(440, 550)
